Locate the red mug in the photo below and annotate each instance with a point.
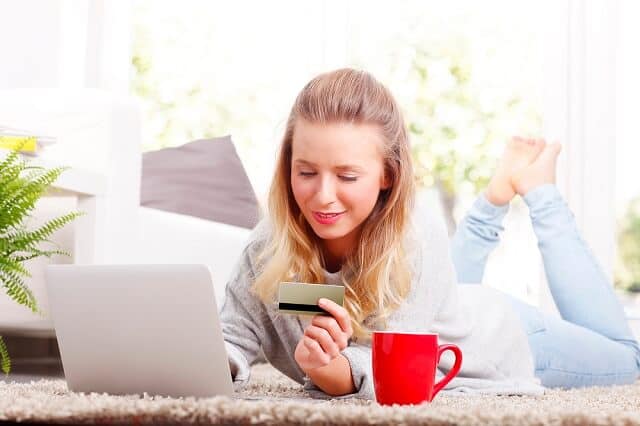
(404, 366)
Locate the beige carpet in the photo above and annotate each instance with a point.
(50, 401)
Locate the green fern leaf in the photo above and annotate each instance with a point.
(11, 264)
(21, 186)
(36, 252)
(16, 289)
(27, 239)
(8, 161)
(5, 361)
(31, 190)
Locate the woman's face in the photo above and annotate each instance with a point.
(337, 173)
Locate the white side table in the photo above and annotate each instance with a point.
(89, 188)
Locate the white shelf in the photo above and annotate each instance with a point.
(73, 180)
(78, 181)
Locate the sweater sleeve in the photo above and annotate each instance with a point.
(242, 317)
(437, 277)
(359, 357)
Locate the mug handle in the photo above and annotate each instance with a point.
(456, 366)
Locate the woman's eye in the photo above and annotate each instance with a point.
(306, 174)
(349, 178)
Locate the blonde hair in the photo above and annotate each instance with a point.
(377, 277)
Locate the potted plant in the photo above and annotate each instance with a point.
(21, 185)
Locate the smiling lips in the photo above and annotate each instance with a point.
(327, 218)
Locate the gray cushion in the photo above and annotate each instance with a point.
(204, 178)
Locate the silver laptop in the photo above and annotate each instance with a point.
(130, 329)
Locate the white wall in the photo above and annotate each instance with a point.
(627, 110)
(30, 43)
(65, 43)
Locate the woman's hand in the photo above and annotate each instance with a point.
(324, 338)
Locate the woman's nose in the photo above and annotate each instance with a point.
(326, 192)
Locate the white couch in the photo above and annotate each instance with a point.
(100, 133)
(166, 237)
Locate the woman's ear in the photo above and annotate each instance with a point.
(385, 181)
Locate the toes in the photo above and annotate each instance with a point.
(551, 150)
(540, 144)
(533, 146)
(554, 148)
(516, 141)
(521, 143)
(532, 142)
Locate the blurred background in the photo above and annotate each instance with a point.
(467, 74)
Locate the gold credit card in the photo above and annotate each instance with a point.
(302, 298)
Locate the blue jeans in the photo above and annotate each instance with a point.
(592, 343)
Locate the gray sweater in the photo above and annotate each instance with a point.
(496, 354)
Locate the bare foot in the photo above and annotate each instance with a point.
(518, 154)
(540, 172)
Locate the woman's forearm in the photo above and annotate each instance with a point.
(334, 379)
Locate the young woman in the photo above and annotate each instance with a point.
(341, 211)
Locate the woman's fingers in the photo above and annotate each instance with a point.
(339, 313)
(315, 351)
(328, 335)
(325, 340)
(331, 325)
